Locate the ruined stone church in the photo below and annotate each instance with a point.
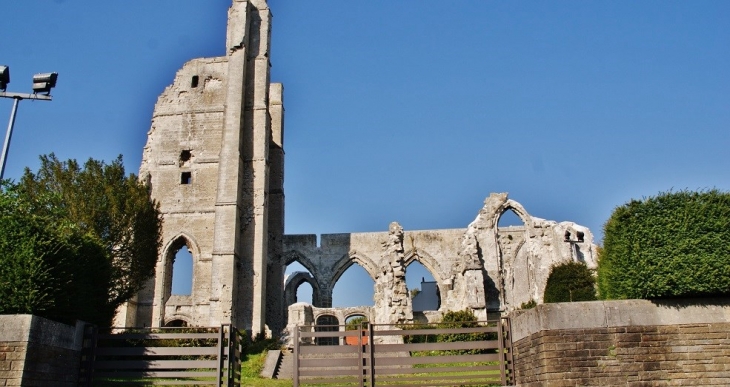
(214, 160)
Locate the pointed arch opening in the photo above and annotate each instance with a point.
(422, 287)
(180, 270)
(353, 287)
(510, 219)
(300, 285)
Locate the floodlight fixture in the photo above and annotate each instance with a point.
(4, 77)
(43, 83)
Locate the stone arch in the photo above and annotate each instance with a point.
(518, 209)
(296, 256)
(348, 260)
(178, 317)
(171, 248)
(292, 284)
(427, 261)
(352, 312)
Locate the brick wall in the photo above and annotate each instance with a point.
(38, 352)
(626, 343)
(12, 359)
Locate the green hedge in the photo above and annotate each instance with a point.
(569, 282)
(671, 245)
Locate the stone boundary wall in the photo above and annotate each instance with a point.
(35, 351)
(623, 343)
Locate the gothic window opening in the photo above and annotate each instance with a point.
(304, 291)
(182, 272)
(422, 288)
(353, 288)
(194, 81)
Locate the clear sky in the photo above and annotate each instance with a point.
(409, 111)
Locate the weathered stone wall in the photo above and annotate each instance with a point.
(38, 352)
(483, 267)
(623, 343)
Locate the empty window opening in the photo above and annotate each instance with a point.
(182, 272)
(186, 178)
(185, 155)
(194, 81)
(176, 324)
(422, 288)
(327, 323)
(304, 291)
(355, 322)
(354, 288)
(510, 219)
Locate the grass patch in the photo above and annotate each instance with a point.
(253, 361)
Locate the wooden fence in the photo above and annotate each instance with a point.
(157, 356)
(405, 355)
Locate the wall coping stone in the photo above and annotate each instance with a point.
(618, 313)
(41, 331)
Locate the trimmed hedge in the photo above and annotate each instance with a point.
(569, 282)
(671, 245)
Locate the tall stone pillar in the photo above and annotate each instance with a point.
(392, 303)
(275, 276)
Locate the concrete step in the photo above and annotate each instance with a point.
(286, 365)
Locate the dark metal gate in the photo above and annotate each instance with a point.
(406, 355)
(151, 356)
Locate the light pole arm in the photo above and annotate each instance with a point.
(8, 134)
(16, 99)
(17, 96)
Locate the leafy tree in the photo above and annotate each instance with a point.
(100, 202)
(674, 244)
(49, 268)
(569, 282)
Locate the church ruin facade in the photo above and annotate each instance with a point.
(214, 160)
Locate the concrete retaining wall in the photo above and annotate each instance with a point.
(627, 343)
(38, 352)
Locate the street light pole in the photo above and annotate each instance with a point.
(42, 83)
(8, 134)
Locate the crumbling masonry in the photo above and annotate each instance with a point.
(214, 160)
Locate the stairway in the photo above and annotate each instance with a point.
(286, 365)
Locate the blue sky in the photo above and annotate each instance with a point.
(409, 111)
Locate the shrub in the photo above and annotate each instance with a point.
(674, 244)
(569, 282)
(462, 319)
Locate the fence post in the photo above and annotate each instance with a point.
(510, 351)
(502, 357)
(88, 350)
(361, 359)
(231, 355)
(371, 344)
(221, 355)
(295, 362)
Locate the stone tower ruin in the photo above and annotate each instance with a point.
(214, 159)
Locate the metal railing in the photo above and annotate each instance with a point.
(152, 356)
(405, 355)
